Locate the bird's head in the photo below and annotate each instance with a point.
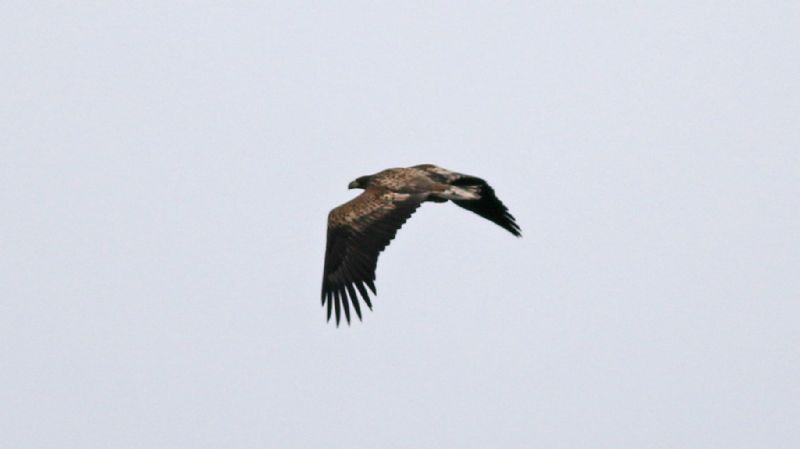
(360, 183)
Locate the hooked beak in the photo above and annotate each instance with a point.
(353, 185)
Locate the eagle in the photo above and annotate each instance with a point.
(361, 228)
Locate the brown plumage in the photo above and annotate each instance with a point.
(361, 228)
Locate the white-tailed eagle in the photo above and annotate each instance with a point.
(361, 228)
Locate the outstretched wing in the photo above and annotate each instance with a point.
(357, 232)
(487, 205)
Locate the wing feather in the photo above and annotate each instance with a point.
(364, 294)
(487, 205)
(354, 299)
(357, 233)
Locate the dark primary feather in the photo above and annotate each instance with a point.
(488, 206)
(357, 232)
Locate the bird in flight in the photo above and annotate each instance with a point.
(361, 228)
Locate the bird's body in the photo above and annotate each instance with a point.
(361, 228)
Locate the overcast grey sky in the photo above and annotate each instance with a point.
(167, 169)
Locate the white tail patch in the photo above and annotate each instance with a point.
(461, 193)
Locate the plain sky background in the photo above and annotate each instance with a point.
(167, 169)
